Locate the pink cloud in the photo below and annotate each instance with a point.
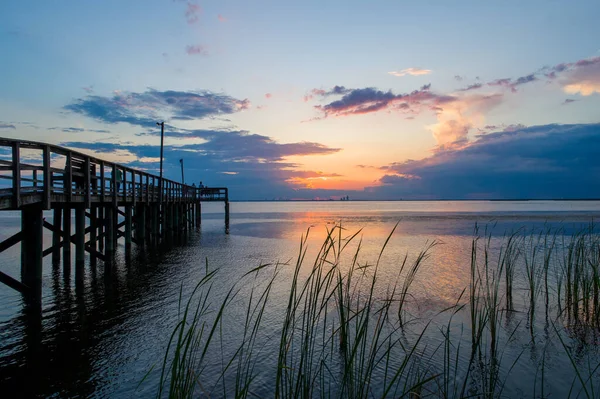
(268, 95)
(411, 71)
(221, 18)
(192, 13)
(196, 50)
(583, 78)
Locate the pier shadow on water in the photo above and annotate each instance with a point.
(83, 330)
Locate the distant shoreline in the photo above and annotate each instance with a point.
(429, 200)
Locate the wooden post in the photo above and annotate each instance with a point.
(57, 222)
(32, 248)
(67, 240)
(87, 184)
(140, 223)
(110, 231)
(128, 225)
(226, 216)
(115, 227)
(68, 179)
(16, 174)
(154, 222)
(198, 213)
(102, 184)
(93, 231)
(100, 224)
(192, 215)
(47, 177)
(176, 218)
(79, 240)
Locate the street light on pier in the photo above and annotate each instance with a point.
(162, 141)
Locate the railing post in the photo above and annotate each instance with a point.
(16, 174)
(69, 178)
(124, 173)
(133, 192)
(87, 183)
(102, 182)
(47, 200)
(114, 190)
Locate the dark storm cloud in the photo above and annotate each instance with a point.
(550, 161)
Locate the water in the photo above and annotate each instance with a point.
(101, 336)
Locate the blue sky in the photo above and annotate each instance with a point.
(248, 93)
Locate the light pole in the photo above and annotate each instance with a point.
(162, 140)
(182, 178)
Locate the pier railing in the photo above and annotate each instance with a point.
(32, 172)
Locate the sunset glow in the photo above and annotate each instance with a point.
(304, 110)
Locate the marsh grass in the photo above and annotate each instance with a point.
(343, 332)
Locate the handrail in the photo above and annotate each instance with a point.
(84, 176)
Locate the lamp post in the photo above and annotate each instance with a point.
(182, 177)
(162, 140)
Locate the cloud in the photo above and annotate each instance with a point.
(370, 99)
(268, 95)
(513, 84)
(335, 91)
(549, 161)
(196, 50)
(7, 126)
(456, 114)
(255, 164)
(411, 71)
(145, 109)
(240, 145)
(458, 78)
(583, 77)
(221, 18)
(474, 86)
(192, 13)
(78, 130)
(88, 89)
(456, 119)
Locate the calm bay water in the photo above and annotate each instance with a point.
(99, 337)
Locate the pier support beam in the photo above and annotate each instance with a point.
(198, 214)
(110, 231)
(67, 241)
(128, 226)
(57, 222)
(79, 240)
(226, 217)
(100, 222)
(93, 231)
(32, 248)
(176, 218)
(140, 223)
(170, 216)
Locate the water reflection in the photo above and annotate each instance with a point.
(66, 348)
(98, 336)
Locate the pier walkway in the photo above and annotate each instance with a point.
(109, 201)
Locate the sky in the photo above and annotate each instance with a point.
(379, 100)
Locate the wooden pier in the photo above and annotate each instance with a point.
(109, 202)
